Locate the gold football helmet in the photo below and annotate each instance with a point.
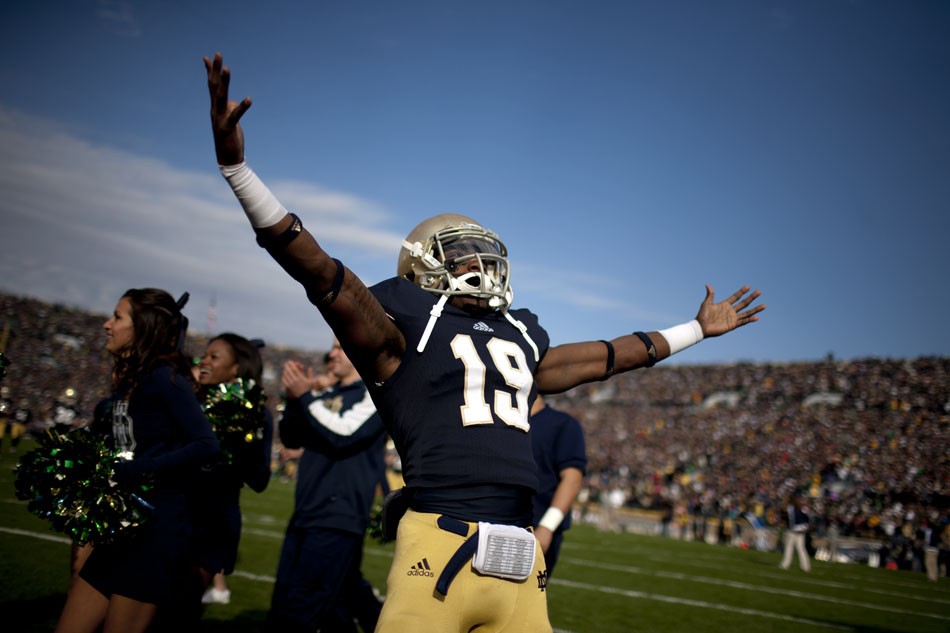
(437, 248)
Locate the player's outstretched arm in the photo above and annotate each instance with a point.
(572, 364)
(367, 335)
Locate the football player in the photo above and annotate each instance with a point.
(557, 441)
(453, 371)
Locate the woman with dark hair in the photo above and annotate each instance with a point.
(215, 512)
(161, 435)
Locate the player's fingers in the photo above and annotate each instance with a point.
(748, 315)
(737, 294)
(745, 302)
(214, 70)
(239, 111)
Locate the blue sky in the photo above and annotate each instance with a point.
(626, 152)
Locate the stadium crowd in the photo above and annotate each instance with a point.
(867, 441)
(57, 357)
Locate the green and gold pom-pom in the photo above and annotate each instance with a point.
(67, 480)
(236, 413)
(375, 526)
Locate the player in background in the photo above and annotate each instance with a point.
(557, 441)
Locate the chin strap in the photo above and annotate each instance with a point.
(436, 312)
(434, 315)
(524, 332)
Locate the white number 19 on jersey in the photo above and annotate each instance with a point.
(511, 363)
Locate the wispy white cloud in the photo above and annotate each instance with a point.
(120, 17)
(83, 222)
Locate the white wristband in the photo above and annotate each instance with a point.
(551, 519)
(261, 206)
(682, 336)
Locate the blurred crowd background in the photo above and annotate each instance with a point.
(706, 450)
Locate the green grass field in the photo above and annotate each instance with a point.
(605, 582)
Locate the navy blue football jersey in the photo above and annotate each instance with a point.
(458, 412)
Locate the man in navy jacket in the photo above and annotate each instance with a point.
(318, 577)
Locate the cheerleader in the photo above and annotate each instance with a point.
(215, 514)
(156, 424)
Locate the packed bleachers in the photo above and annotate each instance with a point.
(867, 440)
(52, 348)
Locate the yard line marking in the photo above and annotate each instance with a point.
(696, 603)
(748, 587)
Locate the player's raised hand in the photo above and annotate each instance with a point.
(225, 115)
(722, 317)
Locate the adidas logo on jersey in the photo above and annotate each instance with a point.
(421, 569)
(481, 327)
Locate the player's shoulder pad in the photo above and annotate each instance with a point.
(400, 296)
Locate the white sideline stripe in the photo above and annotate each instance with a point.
(696, 603)
(890, 582)
(259, 532)
(568, 583)
(257, 577)
(375, 551)
(838, 585)
(42, 537)
(650, 554)
(746, 586)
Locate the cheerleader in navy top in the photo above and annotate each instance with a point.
(215, 512)
(155, 422)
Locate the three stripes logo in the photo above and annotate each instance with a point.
(421, 569)
(482, 327)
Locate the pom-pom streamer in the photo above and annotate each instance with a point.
(68, 480)
(236, 413)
